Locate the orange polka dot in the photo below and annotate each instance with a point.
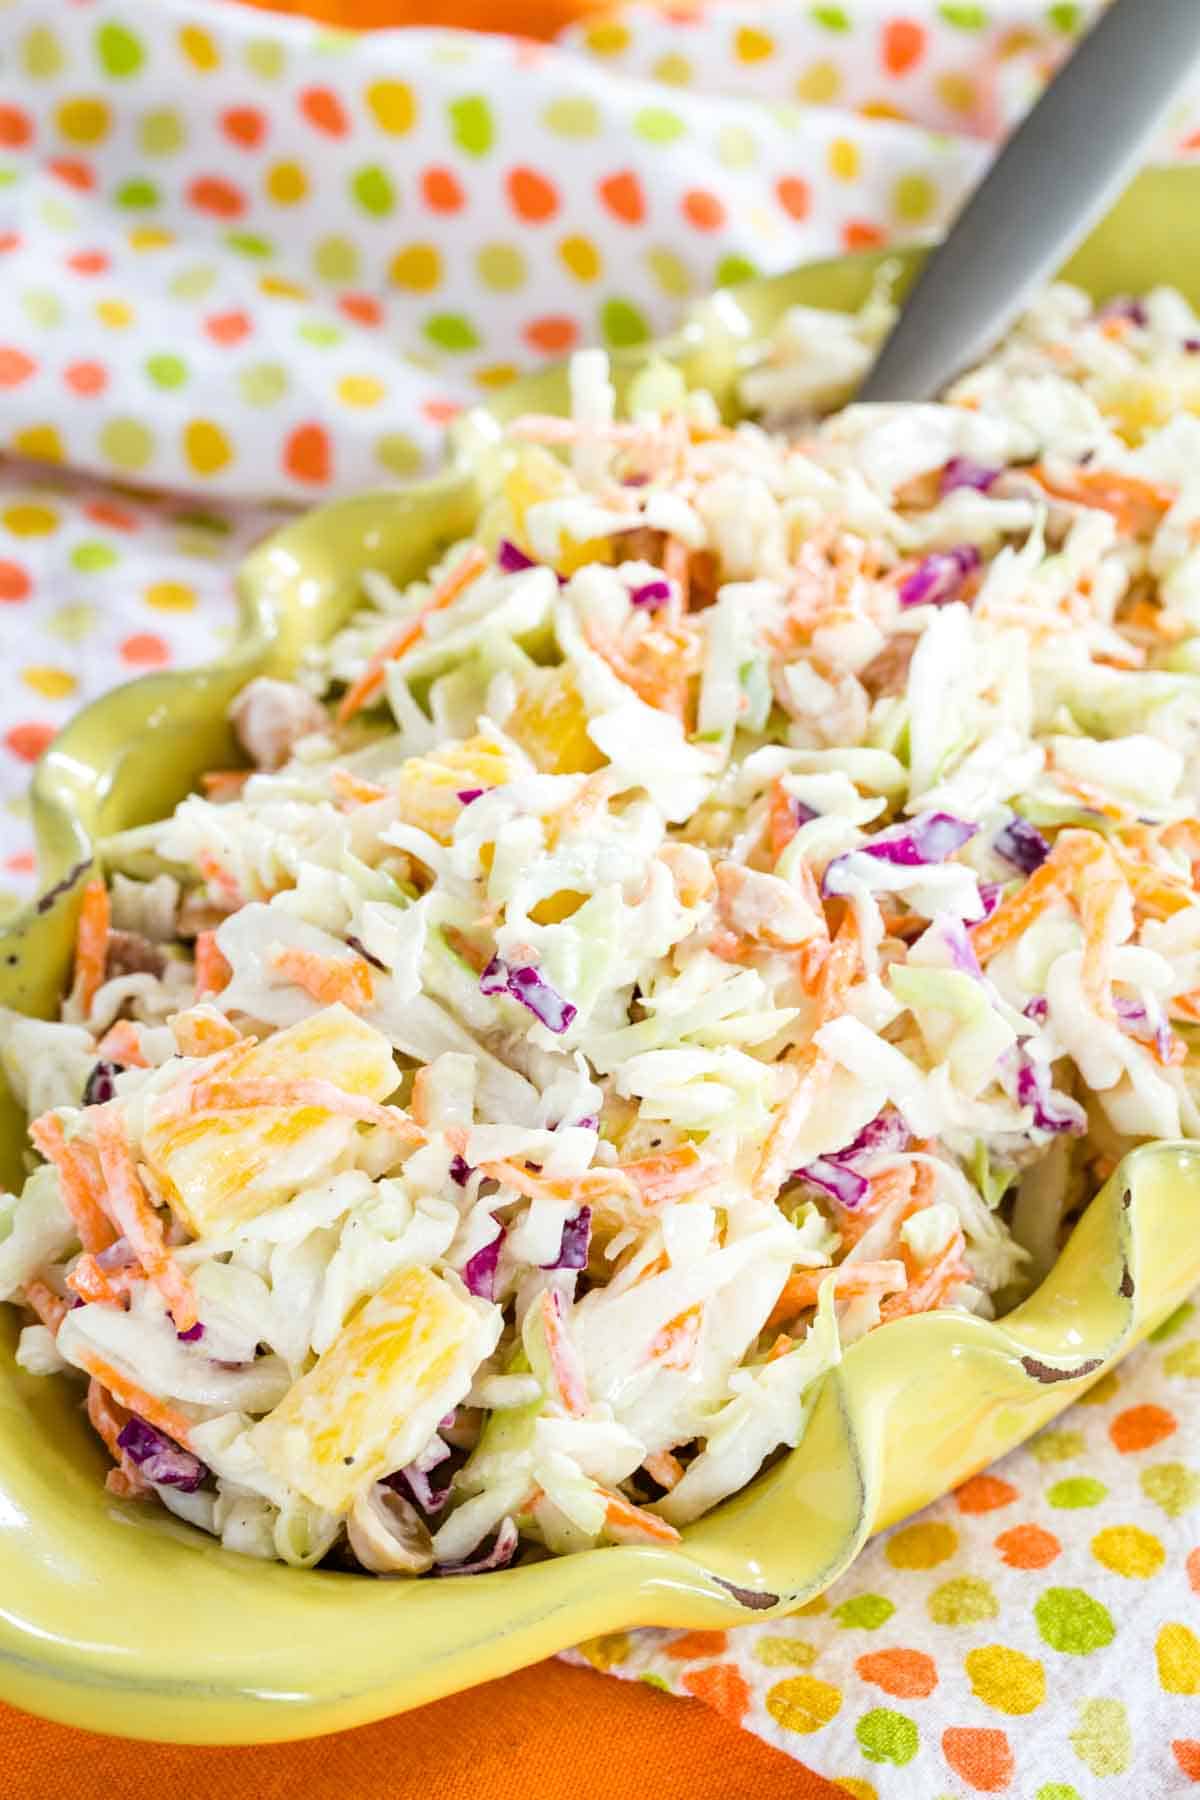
(244, 126)
(14, 582)
(440, 412)
(324, 111)
(228, 327)
(533, 198)
(722, 1687)
(794, 195)
(16, 127)
(908, 1674)
(212, 194)
(1193, 1571)
(145, 650)
(903, 45)
(29, 739)
(306, 455)
(1186, 1752)
(1141, 1427)
(89, 262)
(362, 307)
(697, 1643)
(23, 863)
(1028, 1547)
(107, 512)
(982, 1757)
(622, 195)
(703, 210)
(858, 234)
(73, 172)
(15, 366)
(86, 377)
(442, 191)
(985, 1493)
(552, 334)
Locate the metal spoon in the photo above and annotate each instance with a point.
(1055, 178)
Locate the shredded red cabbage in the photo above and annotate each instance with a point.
(100, 1083)
(494, 979)
(479, 1271)
(961, 472)
(939, 578)
(576, 1238)
(192, 1335)
(498, 1557)
(1052, 1111)
(1037, 1009)
(651, 595)
(888, 1131)
(989, 894)
(931, 837)
(847, 1186)
(1146, 1023)
(526, 985)
(466, 795)
(159, 1459)
(511, 558)
(1123, 307)
(460, 1170)
(414, 1478)
(1022, 845)
(962, 951)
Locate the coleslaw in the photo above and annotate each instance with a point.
(743, 897)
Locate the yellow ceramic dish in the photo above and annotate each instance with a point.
(118, 1618)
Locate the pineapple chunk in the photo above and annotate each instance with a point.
(549, 721)
(373, 1401)
(537, 476)
(428, 786)
(219, 1169)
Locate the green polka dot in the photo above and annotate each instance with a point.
(399, 454)
(42, 308)
(656, 1681)
(784, 1653)
(1102, 1739)
(658, 125)
(91, 556)
(261, 384)
(320, 332)
(670, 272)
(265, 57)
(199, 520)
(833, 18)
(737, 148)
(137, 194)
(864, 1612)
(621, 324)
(249, 243)
(372, 188)
(572, 117)
(198, 545)
(11, 904)
(1173, 1323)
(192, 283)
(1058, 1790)
(1065, 16)
(1076, 1491)
(59, 214)
(166, 371)
(471, 124)
(914, 198)
(1057, 1446)
(127, 442)
(963, 17)
(118, 51)
(41, 53)
(1172, 1486)
(451, 331)
(1071, 1621)
(1185, 1360)
(501, 267)
(161, 132)
(885, 1736)
(74, 621)
(735, 268)
(674, 69)
(965, 1600)
(336, 259)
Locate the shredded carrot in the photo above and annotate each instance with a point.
(231, 1096)
(108, 1420)
(159, 1413)
(418, 1105)
(353, 791)
(565, 1364)
(50, 1307)
(677, 568)
(593, 1186)
(1102, 916)
(674, 1347)
(811, 1072)
(213, 973)
(803, 1287)
(630, 1524)
(218, 876)
(361, 692)
(671, 1174)
(783, 1343)
(1136, 505)
(201, 1030)
(928, 1287)
(132, 1211)
(223, 784)
(79, 1181)
(91, 942)
(1078, 859)
(838, 970)
(103, 1287)
(329, 979)
(122, 1044)
(656, 670)
(783, 822)
(664, 1468)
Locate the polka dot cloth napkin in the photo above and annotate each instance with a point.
(250, 263)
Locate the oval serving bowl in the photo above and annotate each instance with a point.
(120, 1619)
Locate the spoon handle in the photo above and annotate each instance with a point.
(1055, 178)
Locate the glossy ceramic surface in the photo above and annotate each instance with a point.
(120, 1619)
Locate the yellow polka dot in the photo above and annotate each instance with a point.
(1128, 1550)
(802, 1703)
(812, 1608)
(41, 442)
(1006, 1679)
(150, 237)
(883, 109)
(417, 267)
(278, 287)
(360, 390)
(858, 1790)
(607, 1652)
(496, 375)
(1177, 1650)
(286, 183)
(199, 48)
(49, 682)
(820, 83)
(206, 447)
(914, 197)
(170, 596)
(28, 520)
(785, 1652)
(752, 46)
(84, 121)
(581, 257)
(956, 91)
(922, 1546)
(116, 314)
(845, 162)
(1103, 1391)
(393, 105)
(608, 37)
(673, 68)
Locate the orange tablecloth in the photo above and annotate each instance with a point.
(547, 1732)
